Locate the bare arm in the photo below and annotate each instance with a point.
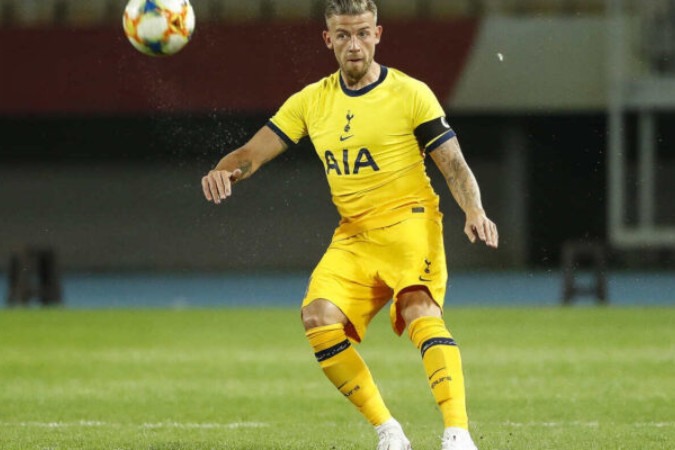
(464, 188)
(241, 163)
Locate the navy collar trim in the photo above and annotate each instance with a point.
(364, 90)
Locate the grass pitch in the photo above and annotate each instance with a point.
(578, 378)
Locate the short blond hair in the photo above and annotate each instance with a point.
(349, 8)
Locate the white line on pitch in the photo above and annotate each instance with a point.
(589, 424)
(205, 425)
(94, 423)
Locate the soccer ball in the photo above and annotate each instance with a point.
(159, 27)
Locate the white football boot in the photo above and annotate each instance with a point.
(457, 439)
(392, 436)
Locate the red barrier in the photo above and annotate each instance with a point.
(227, 67)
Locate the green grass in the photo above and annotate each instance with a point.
(578, 378)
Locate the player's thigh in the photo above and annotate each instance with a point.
(346, 278)
(415, 260)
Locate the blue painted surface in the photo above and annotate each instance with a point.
(287, 290)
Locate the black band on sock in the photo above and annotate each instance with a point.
(332, 351)
(436, 341)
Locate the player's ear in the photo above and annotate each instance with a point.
(378, 33)
(327, 40)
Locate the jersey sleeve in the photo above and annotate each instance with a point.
(429, 122)
(289, 122)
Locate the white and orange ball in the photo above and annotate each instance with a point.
(159, 27)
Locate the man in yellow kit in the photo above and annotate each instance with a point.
(372, 127)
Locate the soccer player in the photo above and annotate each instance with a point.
(372, 126)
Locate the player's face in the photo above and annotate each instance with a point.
(353, 39)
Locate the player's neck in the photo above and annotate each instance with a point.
(369, 78)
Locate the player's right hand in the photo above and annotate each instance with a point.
(217, 184)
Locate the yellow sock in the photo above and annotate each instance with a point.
(347, 371)
(443, 365)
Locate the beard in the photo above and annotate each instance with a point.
(355, 72)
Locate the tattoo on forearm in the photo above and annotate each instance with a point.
(460, 180)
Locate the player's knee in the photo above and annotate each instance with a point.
(414, 303)
(320, 313)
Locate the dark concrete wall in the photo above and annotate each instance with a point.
(123, 193)
(116, 216)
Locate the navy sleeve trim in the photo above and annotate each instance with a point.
(428, 131)
(441, 140)
(280, 133)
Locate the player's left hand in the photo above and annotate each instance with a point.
(478, 226)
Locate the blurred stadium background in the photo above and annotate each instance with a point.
(564, 109)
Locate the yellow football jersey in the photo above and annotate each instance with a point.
(372, 143)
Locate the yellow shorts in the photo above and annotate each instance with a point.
(362, 273)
